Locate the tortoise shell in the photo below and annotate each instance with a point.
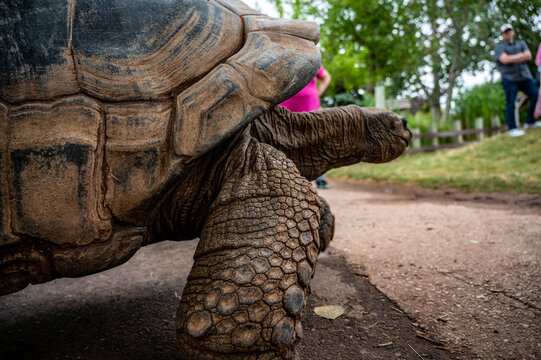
(103, 103)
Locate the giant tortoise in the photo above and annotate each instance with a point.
(127, 122)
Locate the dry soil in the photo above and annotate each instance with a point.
(421, 274)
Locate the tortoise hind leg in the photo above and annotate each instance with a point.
(38, 262)
(253, 265)
(21, 266)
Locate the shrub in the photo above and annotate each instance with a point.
(347, 98)
(485, 100)
(422, 120)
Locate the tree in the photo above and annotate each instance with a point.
(360, 39)
(415, 45)
(447, 34)
(457, 36)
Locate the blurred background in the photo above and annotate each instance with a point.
(433, 58)
(432, 61)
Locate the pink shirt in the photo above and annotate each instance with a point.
(307, 99)
(538, 56)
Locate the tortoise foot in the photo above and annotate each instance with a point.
(247, 309)
(253, 265)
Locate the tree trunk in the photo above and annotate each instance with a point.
(445, 115)
(370, 88)
(452, 81)
(435, 109)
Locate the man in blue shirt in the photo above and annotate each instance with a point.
(511, 57)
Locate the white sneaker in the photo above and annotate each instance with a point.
(516, 132)
(532, 125)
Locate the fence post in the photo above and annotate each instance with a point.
(478, 126)
(495, 121)
(379, 93)
(415, 141)
(457, 126)
(433, 129)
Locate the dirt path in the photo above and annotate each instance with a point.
(461, 271)
(465, 267)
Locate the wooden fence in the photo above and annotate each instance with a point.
(458, 133)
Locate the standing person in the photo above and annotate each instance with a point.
(511, 57)
(308, 100)
(538, 64)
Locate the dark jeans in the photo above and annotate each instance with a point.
(511, 89)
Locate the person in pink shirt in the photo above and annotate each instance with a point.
(308, 100)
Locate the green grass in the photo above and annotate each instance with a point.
(498, 164)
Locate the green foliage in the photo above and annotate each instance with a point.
(452, 39)
(348, 98)
(369, 100)
(421, 120)
(347, 74)
(361, 40)
(499, 164)
(485, 100)
(460, 35)
(415, 45)
(342, 99)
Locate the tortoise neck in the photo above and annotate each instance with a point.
(183, 213)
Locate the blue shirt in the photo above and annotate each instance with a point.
(512, 72)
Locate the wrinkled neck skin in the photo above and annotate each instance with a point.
(185, 209)
(321, 140)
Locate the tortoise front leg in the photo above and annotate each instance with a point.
(253, 265)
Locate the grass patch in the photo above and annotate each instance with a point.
(499, 164)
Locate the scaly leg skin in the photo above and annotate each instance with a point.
(253, 264)
(326, 225)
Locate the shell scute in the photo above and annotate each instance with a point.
(147, 49)
(212, 110)
(137, 157)
(55, 167)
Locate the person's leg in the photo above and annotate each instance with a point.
(321, 182)
(511, 90)
(532, 91)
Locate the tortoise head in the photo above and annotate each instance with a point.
(385, 135)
